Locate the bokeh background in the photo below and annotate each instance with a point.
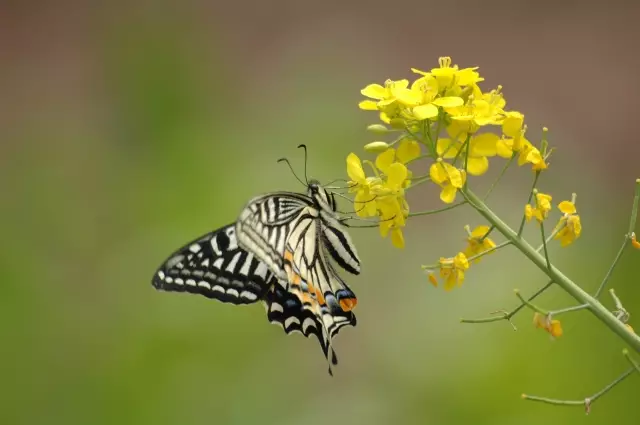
(129, 128)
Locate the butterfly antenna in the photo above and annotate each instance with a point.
(303, 146)
(294, 173)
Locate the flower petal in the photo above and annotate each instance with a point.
(397, 238)
(478, 166)
(484, 144)
(567, 207)
(449, 102)
(368, 105)
(385, 159)
(396, 175)
(374, 91)
(447, 148)
(408, 151)
(424, 112)
(448, 194)
(354, 168)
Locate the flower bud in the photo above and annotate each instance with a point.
(376, 147)
(377, 128)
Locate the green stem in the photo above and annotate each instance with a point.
(568, 309)
(613, 266)
(529, 304)
(635, 365)
(587, 402)
(533, 186)
(553, 273)
(634, 208)
(497, 180)
(546, 241)
(544, 245)
(436, 211)
(508, 316)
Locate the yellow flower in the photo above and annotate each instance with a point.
(629, 327)
(552, 326)
(480, 147)
(634, 241)
(570, 222)
(448, 177)
(364, 187)
(452, 270)
(542, 208)
(480, 109)
(476, 244)
(531, 154)
(392, 204)
(513, 128)
(384, 98)
(448, 76)
(422, 99)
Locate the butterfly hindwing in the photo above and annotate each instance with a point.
(216, 267)
(286, 310)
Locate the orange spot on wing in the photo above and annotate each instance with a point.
(320, 297)
(348, 304)
(288, 255)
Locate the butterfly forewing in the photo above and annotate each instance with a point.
(216, 267)
(264, 226)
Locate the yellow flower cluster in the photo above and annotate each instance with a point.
(452, 270)
(383, 193)
(568, 228)
(445, 118)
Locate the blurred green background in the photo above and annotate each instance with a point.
(131, 128)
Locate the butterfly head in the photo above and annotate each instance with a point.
(323, 199)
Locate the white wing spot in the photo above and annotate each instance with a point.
(244, 271)
(261, 270)
(161, 274)
(218, 263)
(232, 265)
(277, 307)
(179, 281)
(233, 292)
(204, 284)
(290, 320)
(205, 262)
(218, 288)
(195, 248)
(248, 295)
(191, 282)
(168, 279)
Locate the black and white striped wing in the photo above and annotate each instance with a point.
(215, 266)
(265, 224)
(286, 310)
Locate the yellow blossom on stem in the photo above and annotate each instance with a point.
(448, 76)
(478, 242)
(364, 187)
(422, 100)
(634, 241)
(554, 327)
(480, 109)
(532, 155)
(452, 270)
(570, 222)
(481, 147)
(433, 280)
(384, 99)
(542, 208)
(392, 204)
(448, 177)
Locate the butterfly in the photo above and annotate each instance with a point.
(280, 251)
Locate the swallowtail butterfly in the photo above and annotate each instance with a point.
(279, 252)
